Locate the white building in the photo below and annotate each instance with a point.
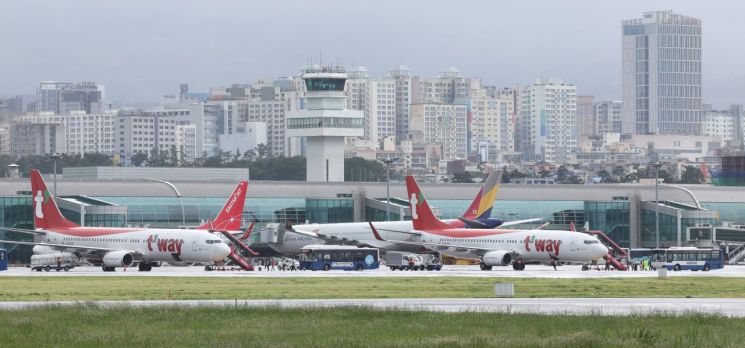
(719, 124)
(145, 131)
(74, 134)
(547, 121)
(690, 147)
(445, 88)
(444, 125)
(662, 74)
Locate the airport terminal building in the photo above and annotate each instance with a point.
(626, 212)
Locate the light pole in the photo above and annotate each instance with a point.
(657, 165)
(54, 157)
(388, 162)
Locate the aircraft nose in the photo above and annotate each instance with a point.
(601, 250)
(221, 251)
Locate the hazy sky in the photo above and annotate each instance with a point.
(141, 49)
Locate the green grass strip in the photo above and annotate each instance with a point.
(192, 288)
(90, 326)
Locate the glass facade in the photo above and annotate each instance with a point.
(17, 212)
(319, 122)
(668, 228)
(325, 84)
(329, 210)
(374, 214)
(732, 212)
(612, 218)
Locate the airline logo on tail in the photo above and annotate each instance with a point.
(233, 199)
(414, 201)
(39, 200)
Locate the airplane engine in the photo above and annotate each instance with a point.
(43, 249)
(119, 258)
(497, 258)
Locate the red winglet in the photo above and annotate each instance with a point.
(248, 231)
(375, 232)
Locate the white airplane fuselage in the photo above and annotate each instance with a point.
(529, 245)
(291, 243)
(148, 244)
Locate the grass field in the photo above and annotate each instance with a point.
(87, 326)
(188, 288)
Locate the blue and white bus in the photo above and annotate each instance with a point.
(687, 258)
(344, 257)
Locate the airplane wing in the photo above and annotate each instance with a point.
(23, 230)
(65, 246)
(519, 222)
(433, 246)
(330, 239)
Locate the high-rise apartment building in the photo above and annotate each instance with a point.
(662, 74)
(445, 125)
(585, 117)
(402, 78)
(547, 121)
(73, 134)
(607, 117)
(376, 97)
(491, 120)
(63, 98)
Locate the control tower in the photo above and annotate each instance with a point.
(325, 122)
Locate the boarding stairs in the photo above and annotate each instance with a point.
(240, 261)
(237, 242)
(612, 245)
(736, 255)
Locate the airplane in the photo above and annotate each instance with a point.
(360, 234)
(495, 247)
(123, 246)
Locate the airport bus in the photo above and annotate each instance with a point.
(344, 257)
(637, 255)
(687, 258)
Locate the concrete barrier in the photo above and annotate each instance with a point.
(504, 290)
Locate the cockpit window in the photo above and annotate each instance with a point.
(595, 241)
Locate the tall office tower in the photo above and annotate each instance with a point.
(662, 74)
(444, 125)
(83, 96)
(738, 112)
(585, 117)
(547, 121)
(607, 117)
(402, 78)
(324, 123)
(48, 96)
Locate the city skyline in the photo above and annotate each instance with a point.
(201, 44)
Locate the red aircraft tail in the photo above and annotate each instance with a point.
(231, 214)
(46, 212)
(421, 214)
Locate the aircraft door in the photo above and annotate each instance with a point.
(573, 245)
(194, 245)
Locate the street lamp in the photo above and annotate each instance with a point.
(657, 165)
(54, 157)
(388, 162)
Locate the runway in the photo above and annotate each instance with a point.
(532, 271)
(559, 306)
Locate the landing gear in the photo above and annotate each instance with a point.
(518, 265)
(484, 267)
(145, 267)
(107, 268)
